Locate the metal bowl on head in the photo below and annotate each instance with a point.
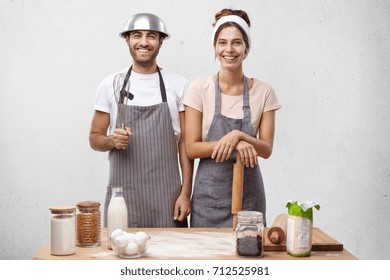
(145, 21)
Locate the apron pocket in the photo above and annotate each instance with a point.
(214, 194)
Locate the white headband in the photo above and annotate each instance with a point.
(236, 19)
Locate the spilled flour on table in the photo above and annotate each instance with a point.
(197, 245)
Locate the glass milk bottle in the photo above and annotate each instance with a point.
(116, 213)
(62, 230)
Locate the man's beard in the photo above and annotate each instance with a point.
(144, 63)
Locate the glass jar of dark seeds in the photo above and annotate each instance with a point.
(249, 234)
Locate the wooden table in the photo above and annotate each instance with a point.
(196, 244)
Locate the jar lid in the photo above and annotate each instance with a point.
(88, 204)
(250, 217)
(62, 209)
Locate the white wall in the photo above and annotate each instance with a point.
(329, 62)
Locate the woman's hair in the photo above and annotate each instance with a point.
(230, 12)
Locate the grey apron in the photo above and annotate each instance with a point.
(148, 168)
(212, 196)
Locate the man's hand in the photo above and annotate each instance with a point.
(121, 137)
(182, 207)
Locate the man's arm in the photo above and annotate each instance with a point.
(98, 138)
(182, 206)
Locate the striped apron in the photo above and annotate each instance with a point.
(148, 168)
(212, 197)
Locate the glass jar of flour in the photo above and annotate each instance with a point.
(62, 230)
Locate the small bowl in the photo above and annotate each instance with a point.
(133, 249)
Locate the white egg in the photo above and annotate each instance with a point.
(140, 235)
(131, 249)
(120, 241)
(141, 246)
(141, 238)
(130, 237)
(115, 233)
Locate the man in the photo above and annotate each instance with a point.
(139, 119)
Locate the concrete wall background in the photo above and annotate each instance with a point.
(328, 61)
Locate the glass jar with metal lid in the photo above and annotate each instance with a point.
(249, 234)
(88, 225)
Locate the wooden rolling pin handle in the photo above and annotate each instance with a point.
(276, 236)
(237, 189)
(238, 181)
(235, 221)
(278, 230)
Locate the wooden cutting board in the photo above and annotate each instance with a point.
(320, 242)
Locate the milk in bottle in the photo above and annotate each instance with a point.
(116, 213)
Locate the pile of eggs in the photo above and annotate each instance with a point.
(128, 244)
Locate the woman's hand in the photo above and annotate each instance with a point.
(247, 153)
(225, 146)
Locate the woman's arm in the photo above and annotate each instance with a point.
(249, 147)
(264, 144)
(195, 147)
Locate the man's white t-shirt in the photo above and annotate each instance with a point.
(146, 91)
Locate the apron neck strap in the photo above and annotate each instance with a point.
(124, 93)
(246, 108)
(162, 86)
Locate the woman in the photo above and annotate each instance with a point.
(227, 114)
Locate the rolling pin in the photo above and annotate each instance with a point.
(278, 230)
(237, 188)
